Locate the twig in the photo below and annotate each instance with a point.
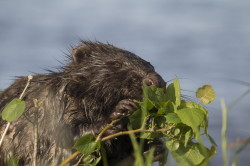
(105, 129)
(5, 131)
(69, 159)
(30, 77)
(135, 131)
(78, 161)
(35, 124)
(237, 143)
(98, 138)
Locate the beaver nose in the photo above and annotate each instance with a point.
(154, 79)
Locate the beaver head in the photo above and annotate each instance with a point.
(101, 76)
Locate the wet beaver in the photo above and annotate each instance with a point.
(98, 85)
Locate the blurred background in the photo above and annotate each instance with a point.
(201, 42)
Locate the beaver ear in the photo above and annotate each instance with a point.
(80, 53)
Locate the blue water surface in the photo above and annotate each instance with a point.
(201, 42)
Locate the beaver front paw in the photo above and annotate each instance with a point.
(120, 112)
(123, 108)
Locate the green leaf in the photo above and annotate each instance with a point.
(172, 145)
(192, 117)
(171, 107)
(209, 154)
(13, 110)
(146, 105)
(188, 135)
(153, 97)
(177, 92)
(174, 92)
(137, 118)
(149, 92)
(177, 132)
(194, 154)
(154, 94)
(151, 135)
(91, 159)
(172, 118)
(161, 105)
(201, 108)
(212, 141)
(88, 159)
(160, 121)
(162, 111)
(192, 105)
(206, 94)
(86, 144)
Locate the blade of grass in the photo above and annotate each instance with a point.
(137, 150)
(236, 154)
(224, 133)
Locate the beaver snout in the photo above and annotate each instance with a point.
(154, 79)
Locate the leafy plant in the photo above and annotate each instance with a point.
(11, 112)
(181, 122)
(163, 114)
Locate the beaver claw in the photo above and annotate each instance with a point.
(123, 108)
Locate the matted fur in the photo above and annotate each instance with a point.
(77, 99)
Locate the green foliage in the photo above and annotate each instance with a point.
(162, 114)
(181, 122)
(87, 145)
(194, 154)
(206, 94)
(13, 110)
(174, 92)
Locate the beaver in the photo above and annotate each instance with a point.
(98, 84)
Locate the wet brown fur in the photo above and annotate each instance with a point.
(78, 99)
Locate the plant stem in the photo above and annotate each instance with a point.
(28, 83)
(105, 129)
(35, 124)
(224, 133)
(5, 131)
(21, 96)
(134, 131)
(35, 144)
(112, 136)
(69, 159)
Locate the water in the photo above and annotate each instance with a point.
(201, 42)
